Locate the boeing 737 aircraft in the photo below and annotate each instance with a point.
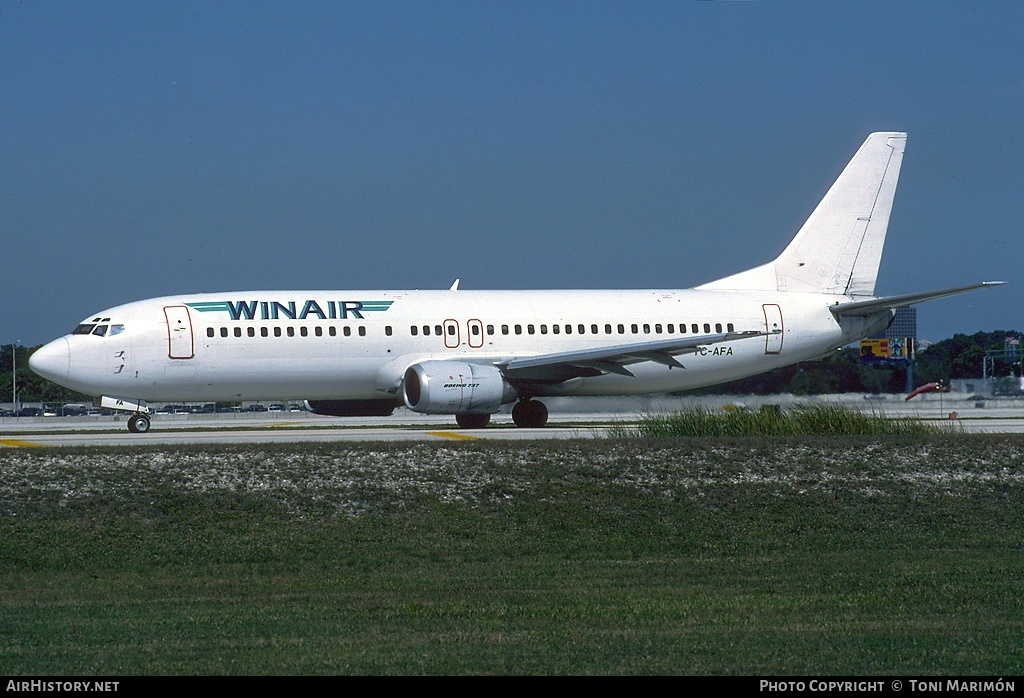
(467, 353)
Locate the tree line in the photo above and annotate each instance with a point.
(960, 356)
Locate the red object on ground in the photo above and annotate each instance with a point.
(926, 388)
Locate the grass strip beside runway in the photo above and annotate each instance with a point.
(696, 556)
(812, 420)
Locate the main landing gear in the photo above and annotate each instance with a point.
(472, 421)
(530, 414)
(138, 423)
(526, 413)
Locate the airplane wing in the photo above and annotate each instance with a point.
(877, 305)
(614, 359)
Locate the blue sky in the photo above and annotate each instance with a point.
(153, 148)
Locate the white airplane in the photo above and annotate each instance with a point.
(467, 353)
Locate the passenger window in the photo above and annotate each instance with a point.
(530, 329)
(568, 329)
(473, 330)
(555, 329)
(490, 330)
(347, 331)
(263, 332)
(504, 329)
(519, 329)
(707, 328)
(238, 331)
(251, 331)
(291, 331)
(318, 331)
(362, 331)
(414, 330)
(671, 328)
(694, 328)
(657, 329)
(621, 329)
(387, 330)
(437, 330)
(304, 331)
(593, 329)
(582, 329)
(543, 329)
(223, 331)
(635, 329)
(730, 327)
(210, 332)
(647, 328)
(607, 329)
(333, 331)
(277, 331)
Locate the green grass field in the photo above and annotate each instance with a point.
(813, 420)
(812, 556)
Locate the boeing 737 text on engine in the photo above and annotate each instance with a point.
(467, 353)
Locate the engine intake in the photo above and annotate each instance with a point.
(455, 387)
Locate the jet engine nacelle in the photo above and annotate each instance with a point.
(455, 387)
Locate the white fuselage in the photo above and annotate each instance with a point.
(318, 345)
(467, 353)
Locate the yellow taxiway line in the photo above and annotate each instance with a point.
(452, 435)
(14, 443)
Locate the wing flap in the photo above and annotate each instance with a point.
(605, 367)
(660, 358)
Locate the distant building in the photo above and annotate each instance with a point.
(903, 325)
(897, 342)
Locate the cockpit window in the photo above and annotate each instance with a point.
(98, 330)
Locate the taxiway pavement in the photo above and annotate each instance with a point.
(570, 419)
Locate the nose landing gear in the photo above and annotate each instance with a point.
(138, 423)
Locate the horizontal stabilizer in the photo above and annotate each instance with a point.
(877, 305)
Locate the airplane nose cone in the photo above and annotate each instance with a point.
(52, 361)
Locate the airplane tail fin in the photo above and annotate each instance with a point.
(839, 248)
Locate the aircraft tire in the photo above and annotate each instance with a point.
(472, 421)
(138, 423)
(530, 414)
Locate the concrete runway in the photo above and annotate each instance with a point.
(286, 428)
(569, 419)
